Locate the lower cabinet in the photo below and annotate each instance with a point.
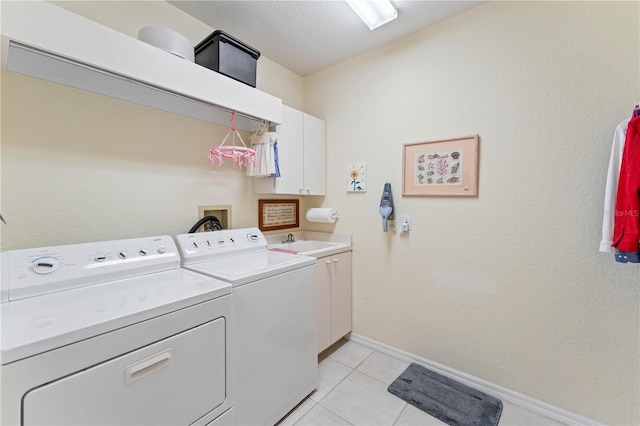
(334, 298)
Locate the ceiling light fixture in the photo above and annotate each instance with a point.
(374, 13)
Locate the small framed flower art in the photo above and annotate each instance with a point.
(446, 167)
(357, 177)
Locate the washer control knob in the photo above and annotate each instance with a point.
(208, 243)
(220, 241)
(252, 237)
(194, 244)
(100, 258)
(45, 265)
(142, 252)
(122, 254)
(162, 249)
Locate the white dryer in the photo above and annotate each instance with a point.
(274, 316)
(113, 333)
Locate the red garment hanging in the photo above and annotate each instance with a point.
(626, 231)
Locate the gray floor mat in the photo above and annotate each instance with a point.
(446, 399)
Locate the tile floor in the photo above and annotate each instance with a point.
(352, 390)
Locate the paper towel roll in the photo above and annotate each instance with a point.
(326, 215)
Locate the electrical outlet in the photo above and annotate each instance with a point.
(406, 223)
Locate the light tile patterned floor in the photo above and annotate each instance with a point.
(352, 390)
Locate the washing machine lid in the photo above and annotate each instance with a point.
(251, 266)
(38, 324)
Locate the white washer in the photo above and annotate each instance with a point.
(274, 314)
(113, 333)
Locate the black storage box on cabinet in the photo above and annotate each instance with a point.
(229, 56)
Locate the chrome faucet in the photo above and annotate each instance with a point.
(288, 239)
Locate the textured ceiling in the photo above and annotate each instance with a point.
(308, 36)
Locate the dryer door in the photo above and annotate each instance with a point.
(174, 381)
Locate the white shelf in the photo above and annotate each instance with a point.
(51, 43)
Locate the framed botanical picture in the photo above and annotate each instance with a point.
(278, 214)
(447, 167)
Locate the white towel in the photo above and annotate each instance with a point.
(265, 164)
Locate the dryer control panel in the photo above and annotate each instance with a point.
(38, 271)
(200, 246)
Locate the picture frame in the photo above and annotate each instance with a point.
(357, 177)
(444, 168)
(278, 214)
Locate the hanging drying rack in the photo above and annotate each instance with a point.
(241, 155)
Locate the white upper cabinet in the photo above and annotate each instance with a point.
(315, 156)
(301, 155)
(49, 42)
(290, 156)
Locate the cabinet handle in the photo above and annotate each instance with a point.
(328, 262)
(300, 190)
(308, 190)
(335, 260)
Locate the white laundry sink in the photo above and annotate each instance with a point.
(308, 246)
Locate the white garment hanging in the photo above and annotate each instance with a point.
(265, 164)
(611, 188)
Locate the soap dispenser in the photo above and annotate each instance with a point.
(386, 205)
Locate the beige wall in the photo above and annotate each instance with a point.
(80, 167)
(509, 286)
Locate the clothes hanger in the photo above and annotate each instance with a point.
(240, 155)
(262, 128)
(636, 109)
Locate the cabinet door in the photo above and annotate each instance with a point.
(290, 152)
(340, 295)
(323, 282)
(315, 167)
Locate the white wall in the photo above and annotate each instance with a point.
(80, 167)
(508, 286)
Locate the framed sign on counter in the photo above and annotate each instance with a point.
(278, 214)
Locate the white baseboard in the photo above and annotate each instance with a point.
(540, 407)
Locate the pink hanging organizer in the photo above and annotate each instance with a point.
(240, 155)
